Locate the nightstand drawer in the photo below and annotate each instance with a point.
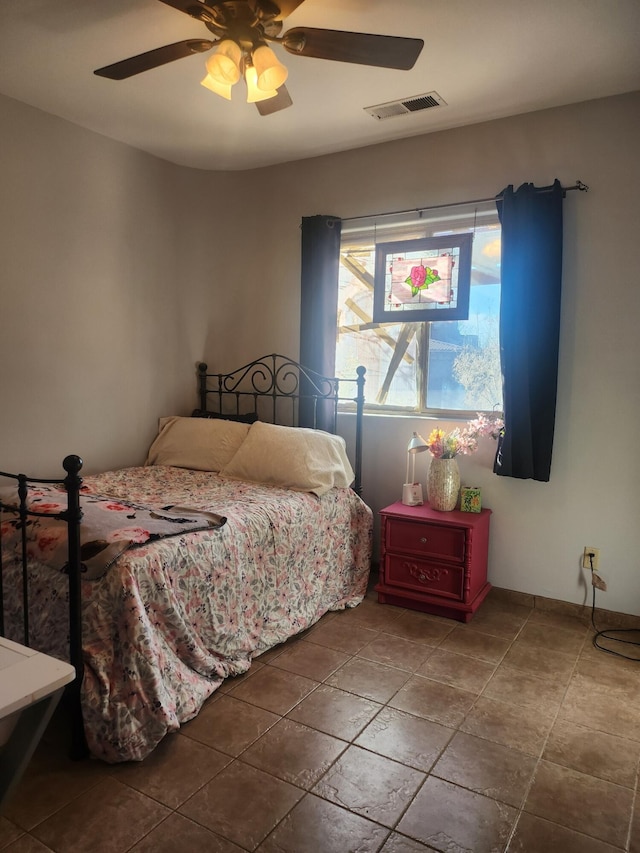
(426, 540)
(445, 581)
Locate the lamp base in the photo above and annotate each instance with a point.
(412, 494)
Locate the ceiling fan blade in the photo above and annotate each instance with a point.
(153, 58)
(361, 48)
(273, 105)
(199, 11)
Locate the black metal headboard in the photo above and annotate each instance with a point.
(279, 390)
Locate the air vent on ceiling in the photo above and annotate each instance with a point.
(406, 106)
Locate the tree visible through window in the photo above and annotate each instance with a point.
(438, 367)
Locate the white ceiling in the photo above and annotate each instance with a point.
(486, 58)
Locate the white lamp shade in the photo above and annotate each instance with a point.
(255, 94)
(416, 444)
(224, 65)
(223, 89)
(271, 72)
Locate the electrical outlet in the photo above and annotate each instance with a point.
(590, 562)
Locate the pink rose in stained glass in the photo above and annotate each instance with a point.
(418, 276)
(420, 282)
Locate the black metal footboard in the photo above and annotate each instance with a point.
(72, 517)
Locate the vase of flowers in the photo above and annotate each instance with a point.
(443, 479)
(443, 484)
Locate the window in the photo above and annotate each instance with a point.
(441, 368)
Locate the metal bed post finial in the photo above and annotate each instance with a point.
(360, 372)
(22, 511)
(202, 385)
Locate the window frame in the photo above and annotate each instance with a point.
(370, 232)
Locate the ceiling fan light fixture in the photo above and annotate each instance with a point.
(271, 73)
(254, 93)
(242, 31)
(224, 65)
(222, 89)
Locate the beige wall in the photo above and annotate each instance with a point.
(538, 529)
(120, 271)
(104, 294)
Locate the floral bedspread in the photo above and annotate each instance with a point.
(109, 527)
(171, 620)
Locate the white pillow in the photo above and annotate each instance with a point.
(305, 460)
(197, 443)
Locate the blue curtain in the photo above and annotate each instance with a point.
(531, 269)
(319, 308)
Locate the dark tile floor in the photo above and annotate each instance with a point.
(380, 729)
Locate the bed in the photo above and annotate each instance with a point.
(259, 531)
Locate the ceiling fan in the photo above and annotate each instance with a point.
(243, 28)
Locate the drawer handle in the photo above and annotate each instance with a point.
(424, 539)
(432, 575)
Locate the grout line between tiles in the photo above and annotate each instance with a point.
(635, 807)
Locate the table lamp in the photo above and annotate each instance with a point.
(412, 491)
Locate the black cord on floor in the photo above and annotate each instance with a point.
(606, 634)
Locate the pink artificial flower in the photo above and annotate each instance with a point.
(444, 445)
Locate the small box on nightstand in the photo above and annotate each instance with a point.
(470, 499)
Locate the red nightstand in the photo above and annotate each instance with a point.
(434, 561)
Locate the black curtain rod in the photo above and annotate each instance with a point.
(577, 186)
